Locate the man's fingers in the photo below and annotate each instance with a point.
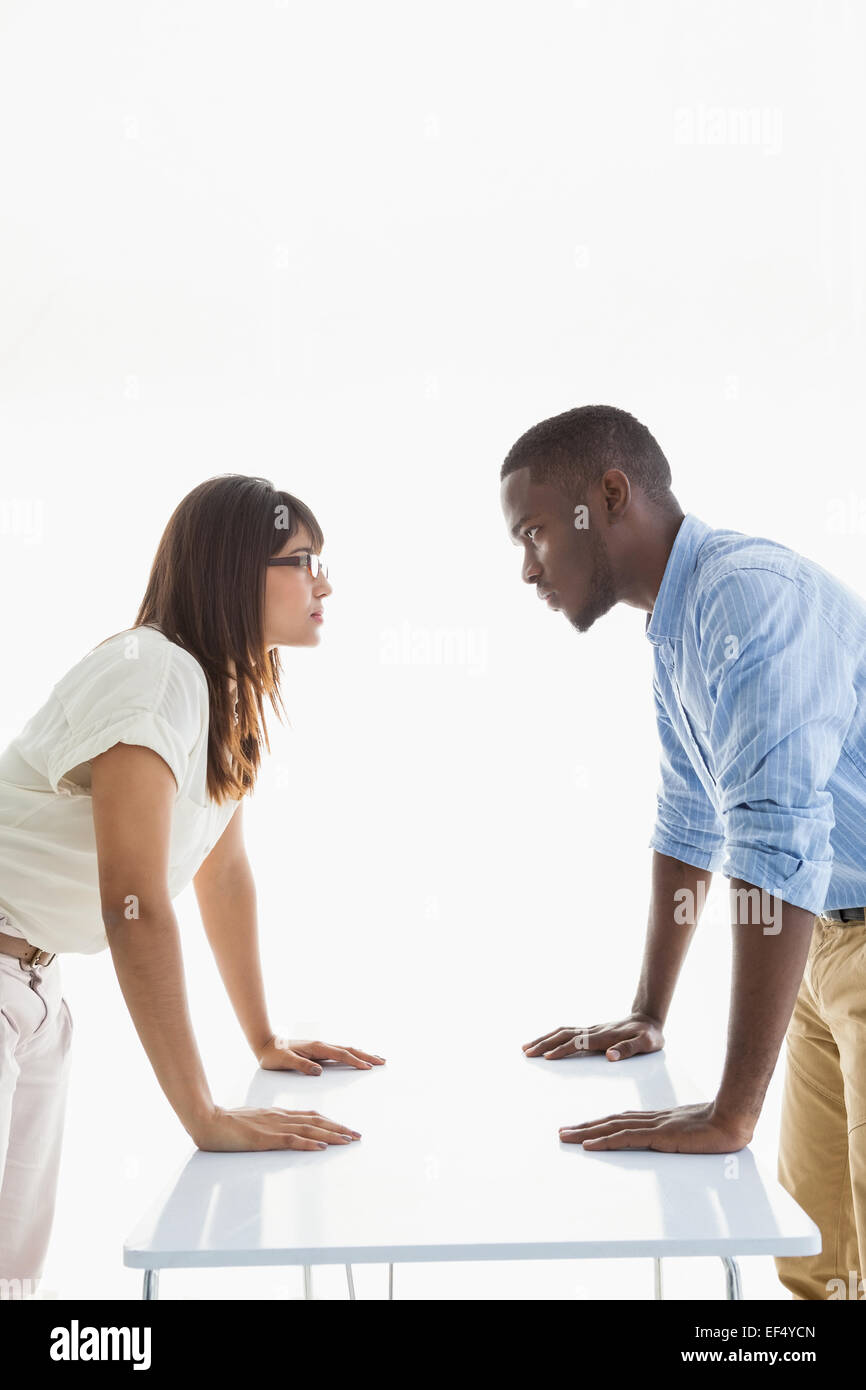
(623, 1047)
(567, 1049)
(615, 1048)
(582, 1041)
(626, 1139)
(608, 1123)
(545, 1037)
(556, 1035)
(565, 1042)
(559, 1035)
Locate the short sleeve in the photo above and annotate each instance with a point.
(688, 826)
(139, 691)
(782, 701)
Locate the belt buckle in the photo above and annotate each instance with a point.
(36, 958)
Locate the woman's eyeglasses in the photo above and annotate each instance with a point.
(313, 563)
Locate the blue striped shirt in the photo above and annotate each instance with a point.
(760, 696)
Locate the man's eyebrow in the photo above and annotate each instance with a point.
(516, 527)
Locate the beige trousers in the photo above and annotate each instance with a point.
(822, 1146)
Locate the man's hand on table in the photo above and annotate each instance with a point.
(295, 1054)
(637, 1033)
(684, 1129)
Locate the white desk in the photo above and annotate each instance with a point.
(460, 1159)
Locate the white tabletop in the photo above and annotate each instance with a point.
(460, 1159)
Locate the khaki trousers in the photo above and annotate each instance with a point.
(822, 1146)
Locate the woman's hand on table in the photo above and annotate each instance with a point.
(236, 1131)
(637, 1033)
(684, 1129)
(297, 1054)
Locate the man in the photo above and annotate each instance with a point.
(760, 695)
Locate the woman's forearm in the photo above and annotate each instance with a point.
(147, 958)
(227, 903)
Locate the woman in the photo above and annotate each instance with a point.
(125, 786)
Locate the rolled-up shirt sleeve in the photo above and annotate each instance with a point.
(687, 826)
(132, 693)
(782, 698)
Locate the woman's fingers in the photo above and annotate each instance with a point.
(292, 1060)
(351, 1055)
(324, 1133)
(312, 1117)
(254, 1128)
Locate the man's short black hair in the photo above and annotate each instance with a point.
(574, 450)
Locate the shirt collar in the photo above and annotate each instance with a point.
(665, 621)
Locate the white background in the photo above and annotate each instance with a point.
(359, 249)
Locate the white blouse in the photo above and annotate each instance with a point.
(139, 688)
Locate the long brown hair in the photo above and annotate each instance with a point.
(206, 592)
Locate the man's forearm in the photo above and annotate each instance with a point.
(766, 972)
(228, 911)
(673, 916)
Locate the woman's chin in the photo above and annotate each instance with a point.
(310, 638)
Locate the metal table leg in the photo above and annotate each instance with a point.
(390, 1281)
(151, 1283)
(733, 1287)
(351, 1281)
(308, 1281)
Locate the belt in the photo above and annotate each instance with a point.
(27, 954)
(845, 915)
